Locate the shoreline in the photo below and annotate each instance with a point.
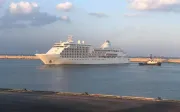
(131, 59)
(23, 100)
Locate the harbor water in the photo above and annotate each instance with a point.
(126, 80)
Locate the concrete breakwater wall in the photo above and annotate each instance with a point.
(146, 59)
(18, 57)
(131, 59)
(174, 61)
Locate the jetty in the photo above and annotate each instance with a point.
(23, 100)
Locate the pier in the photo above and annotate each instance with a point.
(22, 100)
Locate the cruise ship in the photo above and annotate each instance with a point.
(70, 52)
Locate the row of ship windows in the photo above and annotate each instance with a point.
(73, 51)
(85, 48)
(78, 45)
(85, 51)
(107, 51)
(67, 50)
(72, 47)
(79, 54)
(75, 54)
(88, 59)
(90, 56)
(81, 51)
(85, 54)
(76, 48)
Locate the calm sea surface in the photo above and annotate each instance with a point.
(131, 80)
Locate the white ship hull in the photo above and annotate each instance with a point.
(55, 59)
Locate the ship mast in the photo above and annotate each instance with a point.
(70, 38)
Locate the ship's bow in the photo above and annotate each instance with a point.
(48, 59)
(43, 58)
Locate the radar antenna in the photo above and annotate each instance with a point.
(70, 38)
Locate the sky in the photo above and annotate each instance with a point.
(139, 27)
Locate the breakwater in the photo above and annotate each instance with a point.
(48, 101)
(18, 57)
(131, 59)
(146, 59)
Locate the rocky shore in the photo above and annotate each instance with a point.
(48, 101)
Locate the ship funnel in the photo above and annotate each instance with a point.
(106, 44)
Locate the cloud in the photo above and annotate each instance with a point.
(25, 14)
(100, 15)
(23, 7)
(66, 6)
(19, 21)
(2, 2)
(65, 18)
(158, 5)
